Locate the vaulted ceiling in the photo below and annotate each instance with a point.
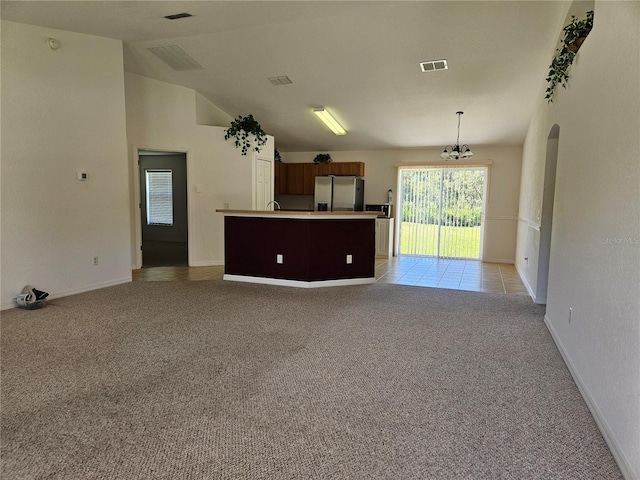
(359, 59)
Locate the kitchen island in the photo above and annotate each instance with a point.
(299, 249)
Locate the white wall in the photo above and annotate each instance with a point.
(209, 114)
(62, 110)
(163, 116)
(381, 174)
(595, 241)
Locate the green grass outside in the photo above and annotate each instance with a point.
(421, 239)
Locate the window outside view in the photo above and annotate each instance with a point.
(441, 211)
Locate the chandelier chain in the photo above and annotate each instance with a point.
(457, 151)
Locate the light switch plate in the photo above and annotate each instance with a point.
(349, 259)
(279, 258)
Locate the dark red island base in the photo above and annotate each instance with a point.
(299, 249)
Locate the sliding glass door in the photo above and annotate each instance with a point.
(441, 211)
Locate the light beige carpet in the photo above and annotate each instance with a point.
(215, 380)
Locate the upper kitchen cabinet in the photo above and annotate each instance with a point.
(347, 168)
(324, 169)
(280, 178)
(299, 178)
(295, 178)
(309, 178)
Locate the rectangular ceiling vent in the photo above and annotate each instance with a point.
(175, 57)
(283, 80)
(433, 65)
(176, 16)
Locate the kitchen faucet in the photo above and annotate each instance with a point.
(276, 205)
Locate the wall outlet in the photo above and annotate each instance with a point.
(95, 260)
(82, 175)
(349, 259)
(279, 258)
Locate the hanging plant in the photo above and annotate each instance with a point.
(574, 34)
(322, 158)
(277, 156)
(244, 130)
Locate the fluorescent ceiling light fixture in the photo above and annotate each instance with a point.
(433, 65)
(175, 57)
(329, 121)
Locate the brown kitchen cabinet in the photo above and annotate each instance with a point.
(299, 178)
(277, 177)
(295, 178)
(347, 168)
(309, 178)
(323, 169)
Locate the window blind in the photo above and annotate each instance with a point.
(441, 211)
(159, 197)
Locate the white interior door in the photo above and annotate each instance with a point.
(263, 184)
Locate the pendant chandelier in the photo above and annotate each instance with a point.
(457, 151)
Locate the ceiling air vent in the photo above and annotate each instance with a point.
(176, 16)
(433, 65)
(283, 80)
(175, 57)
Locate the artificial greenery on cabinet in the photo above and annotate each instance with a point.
(574, 35)
(246, 132)
(322, 158)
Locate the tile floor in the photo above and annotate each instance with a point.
(148, 274)
(453, 274)
(416, 271)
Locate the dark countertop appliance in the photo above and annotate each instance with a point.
(385, 208)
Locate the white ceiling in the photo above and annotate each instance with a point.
(359, 59)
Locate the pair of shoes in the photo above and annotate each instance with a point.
(40, 295)
(31, 297)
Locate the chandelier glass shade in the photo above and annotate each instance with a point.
(457, 151)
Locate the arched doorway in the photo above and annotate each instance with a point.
(546, 218)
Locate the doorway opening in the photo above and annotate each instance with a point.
(163, 208)
(546, 216)
(441, 211)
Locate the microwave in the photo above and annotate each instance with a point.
(385, 208)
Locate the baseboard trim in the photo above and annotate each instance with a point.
(527, 286)
(75, 291)
(215, 263)
(499, 260)
(617, 452)
(299, 283)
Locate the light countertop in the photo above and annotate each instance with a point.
(298, 214)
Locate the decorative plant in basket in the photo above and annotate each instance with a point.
(574, 34)
(244, 130)
(322, 158)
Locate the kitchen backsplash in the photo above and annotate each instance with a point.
(295, 202)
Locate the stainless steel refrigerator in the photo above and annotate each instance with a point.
(336, 193)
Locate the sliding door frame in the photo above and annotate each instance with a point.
(486, 164)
